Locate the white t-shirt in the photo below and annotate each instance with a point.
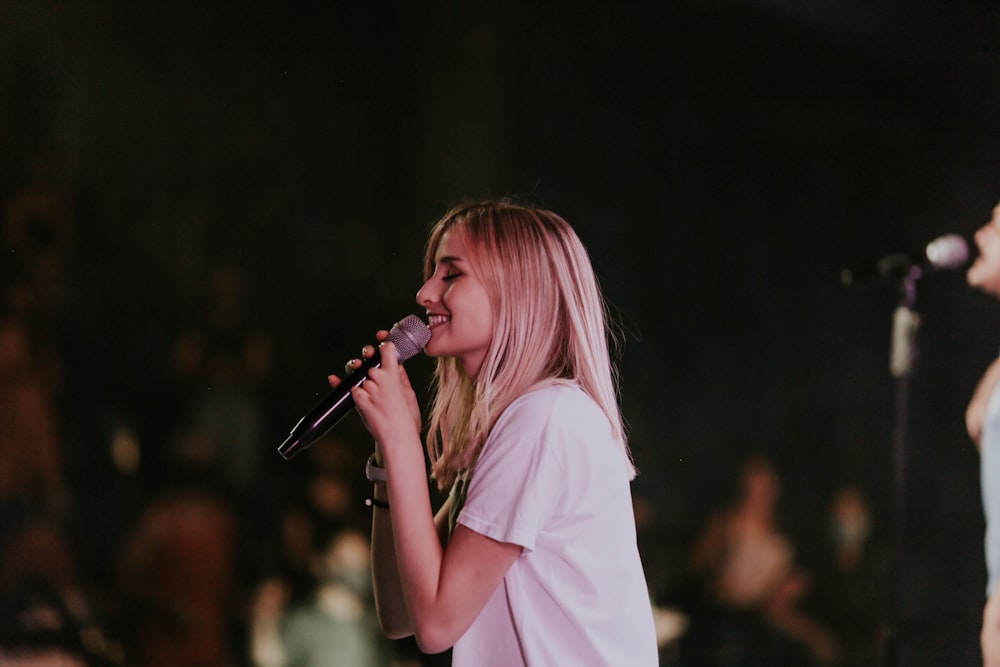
(552, 479)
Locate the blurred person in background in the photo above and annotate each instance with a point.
(31, 466)
(180, 573)
(752, 585)
(983, 423)
(334, 625)
(46, 599)
(221, 361)
(848, 594)
(312, 578)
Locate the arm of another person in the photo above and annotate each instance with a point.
(975, 417)
(975, 414)
(990, 636)
(445, 588)
(989, 451)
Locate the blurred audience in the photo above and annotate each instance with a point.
(750, 611)
(847, 595)
(221, 557)
(334, 624)
(47, 613)
(38, 231)
(318, 588)
(31, 475)
(221, 360)
(180, 576)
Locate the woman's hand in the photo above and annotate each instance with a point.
(384, 402)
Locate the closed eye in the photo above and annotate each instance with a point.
(448, 277)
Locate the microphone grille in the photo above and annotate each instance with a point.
(948, 252)
(409, 335)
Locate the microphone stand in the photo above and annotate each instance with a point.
(903, 356)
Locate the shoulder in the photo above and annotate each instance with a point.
(552, 398)
(558, 406)
(559, 412)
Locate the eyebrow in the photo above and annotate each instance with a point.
(449, 259)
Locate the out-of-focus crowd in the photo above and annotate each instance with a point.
(197, 547)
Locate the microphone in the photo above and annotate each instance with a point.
(946, 252)
(410, 335)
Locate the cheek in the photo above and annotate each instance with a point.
(488, 325)
(445, 296)
(486, 318)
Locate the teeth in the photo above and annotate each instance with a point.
(436, 319)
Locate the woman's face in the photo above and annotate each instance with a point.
(458, 308)
(984, 273)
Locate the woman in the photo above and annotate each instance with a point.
(532, 560)
(982, 420)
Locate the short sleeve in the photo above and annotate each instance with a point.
(514, 488)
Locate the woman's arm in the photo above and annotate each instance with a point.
(444, 588)
(390, 603)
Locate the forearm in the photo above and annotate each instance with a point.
(390, 605)
(990, 636)
(418, 549)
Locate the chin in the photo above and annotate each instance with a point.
(987, 284)
(980, 276)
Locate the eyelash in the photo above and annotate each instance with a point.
(448, 277)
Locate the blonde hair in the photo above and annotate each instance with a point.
(552, 325)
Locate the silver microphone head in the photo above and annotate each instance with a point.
(410, 335)
(948, 252)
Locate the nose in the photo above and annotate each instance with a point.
(424, 294)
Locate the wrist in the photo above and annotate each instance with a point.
(373, 471)
(380, 491)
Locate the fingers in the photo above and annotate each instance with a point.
(367, 352)
(388, 365)
(349, 367)
(388, 351)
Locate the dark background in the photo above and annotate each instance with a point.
(722, 159)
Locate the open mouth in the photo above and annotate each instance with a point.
(434, 320)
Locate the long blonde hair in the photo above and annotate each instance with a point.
(552, 324)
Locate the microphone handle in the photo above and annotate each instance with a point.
(328, 412)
